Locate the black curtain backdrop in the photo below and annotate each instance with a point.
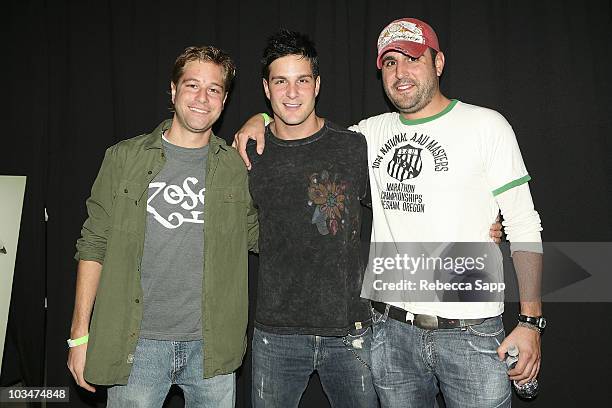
(84, 75)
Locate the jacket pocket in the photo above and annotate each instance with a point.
(225, 210)
(127, 206)
(233, 195)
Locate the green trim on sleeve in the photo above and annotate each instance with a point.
(448, 108)
(511, 184)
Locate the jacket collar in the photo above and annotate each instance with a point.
(153, 140)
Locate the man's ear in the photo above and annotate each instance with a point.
(317, 85)
(266, 88)
(172, 91)
(439, 63)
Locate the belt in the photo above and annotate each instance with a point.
(423, 321)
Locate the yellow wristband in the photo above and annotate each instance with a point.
(78, 342)
(267, 119)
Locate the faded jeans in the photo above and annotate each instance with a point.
(158, 364)
(282, 365)
(411, 365)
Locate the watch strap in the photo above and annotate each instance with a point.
(537, 321)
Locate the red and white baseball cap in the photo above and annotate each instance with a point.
(408, 36)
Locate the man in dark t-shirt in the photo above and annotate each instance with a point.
(308, 187)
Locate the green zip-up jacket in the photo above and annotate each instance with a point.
(113, 235)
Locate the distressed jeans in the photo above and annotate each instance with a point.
(411, 365)
(158, 364)
(282, 365)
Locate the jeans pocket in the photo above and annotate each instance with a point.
(356, 333)
(358, 338)
(359, 342)
(484, 339)
(492, 327)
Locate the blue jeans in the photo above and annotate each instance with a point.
(282, 365)
(411, 365)
(158, 364)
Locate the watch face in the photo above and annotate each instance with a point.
(542, 323)
(539, 322)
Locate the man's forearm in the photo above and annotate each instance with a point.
(528, 266)
(88, 277)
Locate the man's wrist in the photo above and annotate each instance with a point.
(535, 322)
(78, 341)
(529, 326)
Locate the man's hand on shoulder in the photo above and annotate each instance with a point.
(254, 128)
(495, 232)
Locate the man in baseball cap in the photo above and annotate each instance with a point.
(462, 164)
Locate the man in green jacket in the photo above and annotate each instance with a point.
(163, 254)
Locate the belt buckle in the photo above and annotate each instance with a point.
(426, 322)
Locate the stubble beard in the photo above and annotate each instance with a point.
(422, 97)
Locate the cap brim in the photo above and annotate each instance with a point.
(415, 50)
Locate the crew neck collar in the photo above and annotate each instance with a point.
(297, 142)
(409, 122)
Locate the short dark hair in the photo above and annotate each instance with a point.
(205, 54)
(287, 42)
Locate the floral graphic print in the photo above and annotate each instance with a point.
(328, 197)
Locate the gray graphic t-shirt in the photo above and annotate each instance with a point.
(172, 261)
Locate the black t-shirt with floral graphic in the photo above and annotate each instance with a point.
(308, 193)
